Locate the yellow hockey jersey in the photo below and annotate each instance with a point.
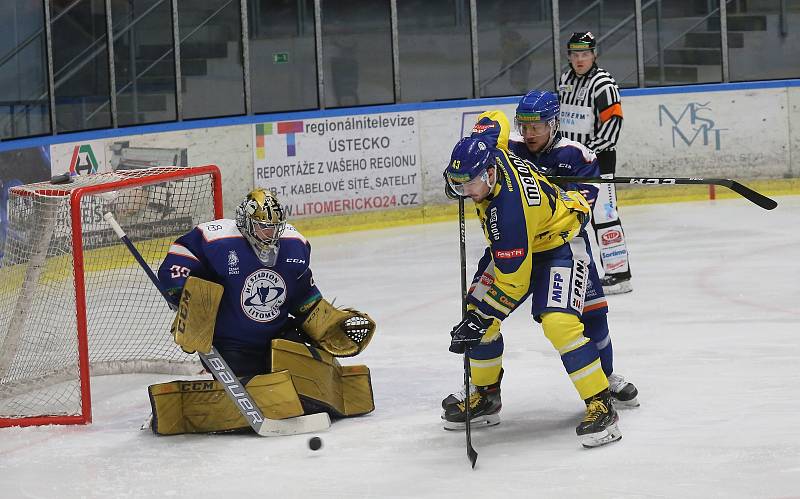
(524, 215)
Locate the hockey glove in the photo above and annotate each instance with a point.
(471, 330)
(340, 332)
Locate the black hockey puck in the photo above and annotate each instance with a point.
(315, 443)
(64, 178)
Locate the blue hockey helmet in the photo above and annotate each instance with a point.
(537, 107)
(470, 159)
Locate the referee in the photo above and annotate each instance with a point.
(591, 113)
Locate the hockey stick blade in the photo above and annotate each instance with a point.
(234, 389)
(472, 454)
(753, 196)
(310, 423)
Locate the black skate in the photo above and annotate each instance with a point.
(599, 425)
(484, 407)
(616, 284)
(623, 393)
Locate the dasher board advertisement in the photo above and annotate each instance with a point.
(340, 165)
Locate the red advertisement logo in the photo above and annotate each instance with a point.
(612, 237)
(616, 265)
(512, 253)
(480, 127)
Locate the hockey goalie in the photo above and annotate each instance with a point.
(245, 286)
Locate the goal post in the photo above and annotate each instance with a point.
(73, 302)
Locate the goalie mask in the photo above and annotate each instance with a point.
(261, 220)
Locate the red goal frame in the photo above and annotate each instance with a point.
(76, 194)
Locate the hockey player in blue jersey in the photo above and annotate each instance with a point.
(268, 315)
(537, 121)
(537, 246)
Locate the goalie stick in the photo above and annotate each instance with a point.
(744, 191)
(472, 454)
(234, 389)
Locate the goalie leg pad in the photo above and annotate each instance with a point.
(193, 326)
(317, 375)
(340, 332)
(203, 407)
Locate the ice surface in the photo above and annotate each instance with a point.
(710, 336)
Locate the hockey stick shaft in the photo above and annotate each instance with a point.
(744, 191)
(109, 218)
(472, 454)
(234, 389)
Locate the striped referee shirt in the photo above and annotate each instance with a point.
(591, 110)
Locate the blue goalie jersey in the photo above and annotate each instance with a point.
(258, 301)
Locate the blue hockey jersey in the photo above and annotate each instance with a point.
(565, 158)
(257, 301)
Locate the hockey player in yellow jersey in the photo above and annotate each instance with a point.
(537, 246)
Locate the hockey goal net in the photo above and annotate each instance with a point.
(73, 301)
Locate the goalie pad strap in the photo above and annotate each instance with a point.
(193, 326)
(202, 406)
(318, 377)
(340, 332)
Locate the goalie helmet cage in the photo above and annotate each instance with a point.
(73, 302)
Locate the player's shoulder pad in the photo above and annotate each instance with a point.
(295, 248)
(291, 232)
(516, 171)
(493, 126)
(215, 230)
(572, 151)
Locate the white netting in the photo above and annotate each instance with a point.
(127, 320)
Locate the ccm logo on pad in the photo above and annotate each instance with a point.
(512, 253)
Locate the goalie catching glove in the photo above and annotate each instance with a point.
(341, 332)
